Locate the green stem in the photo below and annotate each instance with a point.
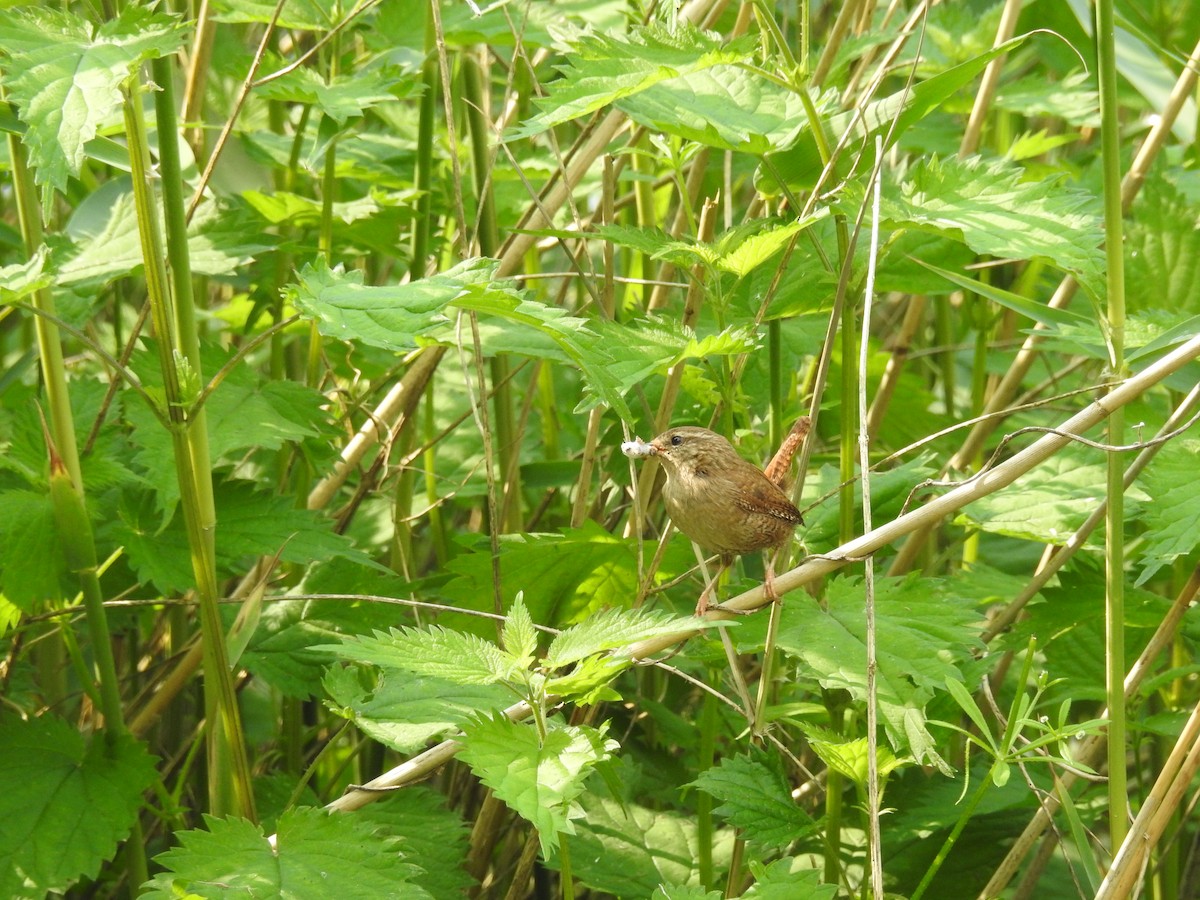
(704, 802)
(1118, 798)
(66, 488)
(181, 383)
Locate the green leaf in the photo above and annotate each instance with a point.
(65, 76)
(392, 317)
(991, 207)
(20, 280)
(250, 523)
(1163, 250)
(246, 411)
(785, 879)
(755, 797)
(800, 164)
(107, 243)
(313, 850)
(565, 577)
(435, 837)
(629, 850)
(32, 564)
(1048, 503)
(605, 69)
(519, 638)
(930, 633)
(64, 805)
(850, 758)
(1172, 512)
(406, 711)
(342, 97)
(539, 780)
(436, 651)
(612, 628)
(304, 15)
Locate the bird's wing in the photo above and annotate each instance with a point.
(763, 497)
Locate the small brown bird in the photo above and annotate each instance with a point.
(724, 503)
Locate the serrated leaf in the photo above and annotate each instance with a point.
(1048, 503)
(250, 523)
(850, 758)
(756, 798)
(785, 879)
(605, 69)
(342, 97)
(20, 280)
(612, 628)
(539, 780)
(32, 564)
(436, 651)
(65, 77)
(991, 207)
(629, 850)
(107, 243)
(406, 711)
(435, 837)
(1172, 514)
(64, 805)
(312, 851)
(565, 577)
(930, 633)
(1163, 250)
(800, 164)
(519, 638)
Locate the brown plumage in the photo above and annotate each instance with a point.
(722, 502)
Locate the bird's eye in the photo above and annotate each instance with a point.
(676, 440)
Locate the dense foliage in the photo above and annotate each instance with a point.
(323, 326)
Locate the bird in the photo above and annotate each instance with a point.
(723, 503)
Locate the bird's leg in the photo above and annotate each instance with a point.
(769, 577)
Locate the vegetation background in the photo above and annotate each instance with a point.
(324, 322)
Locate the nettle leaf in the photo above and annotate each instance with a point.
(343, 97)
(519, 638)
(312, 851)
(930, 632)
(539, 780)
(393, 317)
(20, 280)
(33, 569)
(612, 357)
(990, 207)
(107, 244)
(245, 412)
(435, 651)
(1172, 512)
(1071, 99)
(627, 850)
(406, 711)
(250, 523)
(782, 881)
(799, 165)
(565, 577)
(613, 628)
(755, 797)
(1048, 503)
(65, 77)
(435, 837)
(303, 15)
(605, 69)
(1163, 250)
(64, 805)
(850, 758)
